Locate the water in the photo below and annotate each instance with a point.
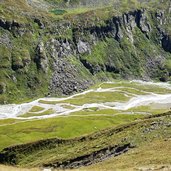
(154, 99)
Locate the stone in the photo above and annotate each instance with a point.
(41, 58)
(83, 47)
(66, 79)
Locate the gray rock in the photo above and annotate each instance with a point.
(41, 58)
(160, 17)
(66, 79)
(59, 48)
(83, 47)
(5, 40)
(143, 23)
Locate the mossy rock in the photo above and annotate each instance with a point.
(5, 57)
(20, 59)
(2, 87)
(168, 65)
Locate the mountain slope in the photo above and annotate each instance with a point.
(50, 50)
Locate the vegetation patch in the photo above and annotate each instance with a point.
(144, 157)
(30, 114)
(98, 97)
(9, 121)
(58, 11)
(67, 106)
(55, 152)
(63, 127)
(48, 102)
(36, 109)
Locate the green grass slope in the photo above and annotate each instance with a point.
(68, 153)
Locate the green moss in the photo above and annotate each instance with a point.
(138, 133)
(168, 65)
(97, 98)
(98, 55)
(48, 102)
(64, 127)
(9, 121)
(30, 114)
(58, 11)
(5, 58)
(67, 106)
(36, 109)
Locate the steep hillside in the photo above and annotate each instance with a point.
(51, 49)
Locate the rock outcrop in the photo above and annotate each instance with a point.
(66, 79)
(41, 57)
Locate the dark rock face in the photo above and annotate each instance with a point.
(110, 68)
(142, 21)
(39, 22)
(6, 24)
(9, 25)
(41, 57)
(114, 27)
(166, 43)
(92, 68)
(14, 26)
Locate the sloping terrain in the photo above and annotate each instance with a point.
(53, 50)
(61, 47)
(105, 105)
(151, 156)
(91, 149)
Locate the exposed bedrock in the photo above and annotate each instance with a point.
(92, 158)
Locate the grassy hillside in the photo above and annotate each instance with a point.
(148, 156)
(143, 157)
(70, 153)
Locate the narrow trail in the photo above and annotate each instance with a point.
(142, 98)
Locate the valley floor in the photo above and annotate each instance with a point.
(96, 123)
(134, 97)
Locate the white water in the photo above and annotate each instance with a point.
(15, 110)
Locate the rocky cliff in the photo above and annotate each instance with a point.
(42, 54)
